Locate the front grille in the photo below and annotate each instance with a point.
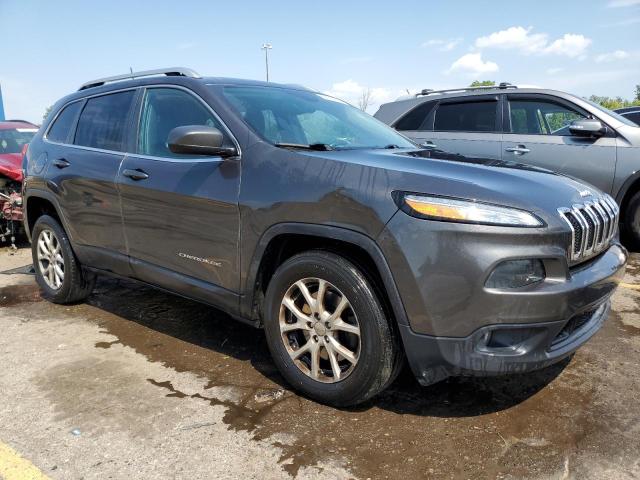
(593, 225)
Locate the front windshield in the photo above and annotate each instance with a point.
(615, 115)
(285, 116)
(12, 140)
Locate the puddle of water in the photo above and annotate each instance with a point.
(16, 295)
(462, 427)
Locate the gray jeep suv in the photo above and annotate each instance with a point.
(290, 210)
(545, 128)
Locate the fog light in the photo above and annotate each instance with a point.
(516, 274)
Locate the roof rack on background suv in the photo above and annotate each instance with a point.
(501, 86)
(170, 72)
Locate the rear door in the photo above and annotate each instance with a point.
(83, 167)
(537, 133)
(470, 127)
(180, 212)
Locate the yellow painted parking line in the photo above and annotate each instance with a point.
(629, 285)
(14, 467)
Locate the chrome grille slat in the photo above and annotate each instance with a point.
(593, 225)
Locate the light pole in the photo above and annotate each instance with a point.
(266, 47)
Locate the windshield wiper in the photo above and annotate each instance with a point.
(323, 147)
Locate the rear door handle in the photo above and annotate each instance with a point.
(428, 144)
(519, 150)
(61, 163)
(135, 174)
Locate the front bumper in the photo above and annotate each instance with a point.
(457, 326)
(514, 347)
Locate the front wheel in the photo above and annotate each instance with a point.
(58, 271)
(632, 220)
(326, 330)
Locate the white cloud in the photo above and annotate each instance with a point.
(514, 37)
(623, 3)
(350, 91)
(553, 71)
(473, 64)
(520, 38)
(186, 45)
(443, 45)
(612, 56)
(570, 44)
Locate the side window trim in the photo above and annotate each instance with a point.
(470, 99)
(138, 115)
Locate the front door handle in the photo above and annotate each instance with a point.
(61, 163)
(519, 150)
(135, 174)
(428, 144)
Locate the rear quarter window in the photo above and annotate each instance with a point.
(103, 121)
(61, 128)
(416, 119)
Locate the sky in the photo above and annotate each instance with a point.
(341, 47)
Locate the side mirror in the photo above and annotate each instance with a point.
(587, 128)
(198, 140)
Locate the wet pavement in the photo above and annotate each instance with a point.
(163, 387)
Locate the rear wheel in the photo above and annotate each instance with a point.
(632, 220)
(58, 271)
(327, 331)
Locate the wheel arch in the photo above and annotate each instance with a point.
(40, 203)
(285, 240)
(630, 187)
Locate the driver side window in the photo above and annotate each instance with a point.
(540, 117)
(163, 110)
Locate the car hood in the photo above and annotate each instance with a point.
(494, 181)
(11, 166)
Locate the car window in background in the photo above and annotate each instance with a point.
(283, 115)
(102, 123)
(59, 131)
(416, 119)
(634, 117)
(538, 117)
(165, 109)
(478, 116)
(615, 115)
(12, 140)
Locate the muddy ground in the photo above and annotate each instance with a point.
(140, 384)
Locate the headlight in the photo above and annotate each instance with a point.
(465, 211)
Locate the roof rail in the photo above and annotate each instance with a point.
(502, 86)
(170, 72)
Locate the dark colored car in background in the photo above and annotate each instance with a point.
(15, 136)
(290, 210)
(632, 113)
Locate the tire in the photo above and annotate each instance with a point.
(370, 357)
(632, 220)
(73, 285)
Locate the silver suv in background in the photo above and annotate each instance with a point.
(546, 128)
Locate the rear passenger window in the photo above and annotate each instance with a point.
(416, 119)
(61, 128)
(103, 121)
(467, 117)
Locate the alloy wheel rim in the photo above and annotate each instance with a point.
(50, 259)
(320, 330)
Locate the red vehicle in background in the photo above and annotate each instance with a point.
(15, 136)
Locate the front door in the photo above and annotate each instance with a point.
(181, 213)
(537, 133)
